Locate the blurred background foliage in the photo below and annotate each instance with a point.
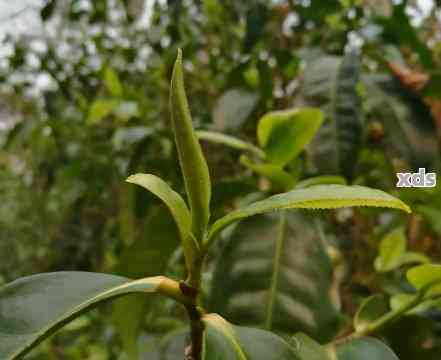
(84, 103)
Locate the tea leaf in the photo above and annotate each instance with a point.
(315, 197)
(284, 134)
(34, 307)
(258, 282)
(191, 159)
(370, 310)
(230, 342)
(229, 141)
(177, 207)
(426, 277)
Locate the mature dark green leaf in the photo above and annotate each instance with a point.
(314, 197)
(363, 349)
(147, 256)
(191, 159)
(34, 307)
(274, 272)
(331, 83)
(224, 341)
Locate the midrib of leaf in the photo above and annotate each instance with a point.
(276, 270)
(135, 286)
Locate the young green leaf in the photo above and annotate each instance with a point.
(225, 341)
(284, 134)
(191, 159)
(34, 307)
(371, 309)
(321, 180)
(229, 141)
(274, 173)
(426, 278)
(177, 207)
(392, 247)
(393, 254)
(315, 197)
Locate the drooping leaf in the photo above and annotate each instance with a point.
(193, 165)
(314, 197)
(224, 341)
(371, 309)
(33, 307)
(284, 134)
(233, 109)
(112, 82)
(423, 276)
(177, 207)
(274, 272)
(330, 83)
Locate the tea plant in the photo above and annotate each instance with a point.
(32, 308)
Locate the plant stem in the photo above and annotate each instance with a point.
(191, 289)
(390, 317)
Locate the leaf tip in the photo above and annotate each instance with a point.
(133, 178)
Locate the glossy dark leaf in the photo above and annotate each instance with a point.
(274, 272)
(224, 341)
(147, 256)
(331, 82)
(33, 307)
